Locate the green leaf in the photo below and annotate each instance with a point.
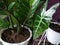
(21, 10)
(3, 12)
(40, 24)
(31, 1)
(29, 23)
(34, 6)
(4, 23)
(3, 16)
(11, 5)
(51, 11)
(14, 20)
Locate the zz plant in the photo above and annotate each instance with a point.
(17, 12)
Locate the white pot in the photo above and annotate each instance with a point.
(22, 43)
(53, 36)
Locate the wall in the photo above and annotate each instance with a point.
(56, 16)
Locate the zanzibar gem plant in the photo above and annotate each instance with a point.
(14, 13)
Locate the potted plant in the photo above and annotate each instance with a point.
(53, 33)
(42, 21)
(14, 15)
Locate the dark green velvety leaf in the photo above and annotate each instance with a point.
(34, 6)
(39, 23)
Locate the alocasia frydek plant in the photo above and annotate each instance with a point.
(43, 18)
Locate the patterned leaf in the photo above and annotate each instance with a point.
(51, 11)
(34, 6)
(40, 24)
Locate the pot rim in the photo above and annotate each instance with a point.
(24, 40)
(51, 34)
(55, 23)
(53, 30)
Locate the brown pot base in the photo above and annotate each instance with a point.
(10, 37)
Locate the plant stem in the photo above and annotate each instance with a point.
(18, 24)
(4, 4)
(18, 29)
(27, 17)
(9, 15)
(10, 19)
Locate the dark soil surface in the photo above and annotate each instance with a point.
(55, 27)
(10, 37)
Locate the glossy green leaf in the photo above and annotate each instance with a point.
(11, 5)
(14, 20)
(34, 6)
(4, 23)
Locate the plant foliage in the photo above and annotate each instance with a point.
(22, 12)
